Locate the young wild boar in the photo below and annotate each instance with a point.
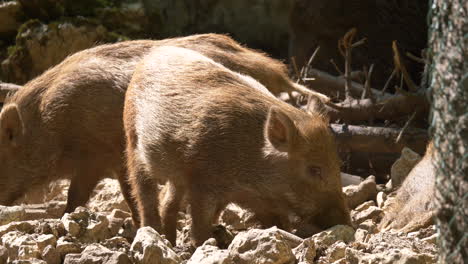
(68, 121)
(414, 204)
(219, 137)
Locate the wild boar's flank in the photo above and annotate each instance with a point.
(217, 137)
(67, 122)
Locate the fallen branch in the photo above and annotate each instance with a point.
(394, 108)
(331, 85)
(6, 88)
(378, 139)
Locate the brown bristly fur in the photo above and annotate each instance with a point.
(220, 137)
(70, 117)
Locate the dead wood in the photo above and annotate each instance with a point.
(394, 108)
(334, 86)
(6, 88)
(379, 139)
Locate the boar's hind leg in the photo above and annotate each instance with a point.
(170, 206)
(203, 208)
(126, 189)
(146, 193)
(81, 187)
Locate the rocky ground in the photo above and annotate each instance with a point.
(103, 232)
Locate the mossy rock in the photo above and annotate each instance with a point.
(40, 46)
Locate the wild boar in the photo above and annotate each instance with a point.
(218, 137)
(414, 204)
(67, 122)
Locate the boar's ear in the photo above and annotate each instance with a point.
(279, 129)
(11, 124)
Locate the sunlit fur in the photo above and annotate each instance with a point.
(72, 114)
(199, 125)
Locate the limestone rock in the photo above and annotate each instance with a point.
(11, 213)
(11, 16)
(260, 246)
(365, 191)
(237, 218)
(40, 46)
(98, 254)
(208, 253)
(381, 198)
(20, 245)
(50, 255)
(306, 251)
(150, 247)
(107, 196)
(402, 166)
(68, 245)
(372, 212)
(3, 255)
(336, 233)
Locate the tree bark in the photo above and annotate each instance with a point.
(448, 76)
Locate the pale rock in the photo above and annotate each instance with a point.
(150, 247)
(336, 233)
(336, 251)
(97, 254)
(403, 166)
(107, 196)
(97, 229)
(361, 235)
(364, 206)
(72, 227)
(237, 218)
(381, 198)
(44, 240)
(368, 225)
(11, 14)
(305, 252)
(373, 212)
(266, 246)
(50, 255)
(208, 253)
(24, 226)
(389, 186)
(357, 194)
(390, 256)
(44, 46)
(9, 214)
(117, 243)
(68, 245)
(20, 245)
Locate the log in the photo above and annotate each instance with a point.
(332, 85)
(7, 88)
(379, 139)
(393, 108)
(373, 150)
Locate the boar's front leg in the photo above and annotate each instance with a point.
(203, 208)
(81, 186)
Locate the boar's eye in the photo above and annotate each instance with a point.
(314, 171)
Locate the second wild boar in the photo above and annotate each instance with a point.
(218, 137)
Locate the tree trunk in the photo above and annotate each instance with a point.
(448, 48)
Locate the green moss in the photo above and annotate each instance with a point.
(28, 25)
